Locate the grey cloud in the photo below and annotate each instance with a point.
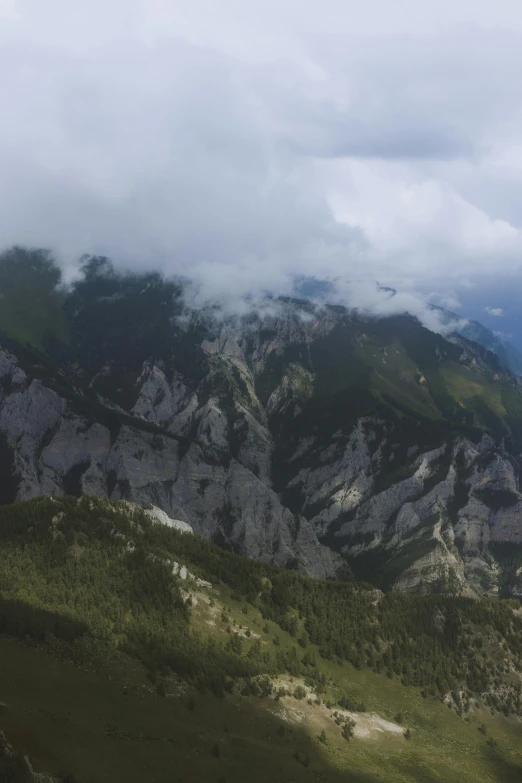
(351, 138)
(159, 158)
(207, 140)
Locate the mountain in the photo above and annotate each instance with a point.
(283, 545)
(132, 650)
(507, 352)
(341, 446)
(477, 332)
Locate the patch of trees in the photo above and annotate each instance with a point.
(87, 567)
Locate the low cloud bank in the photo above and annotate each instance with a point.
(249, 147)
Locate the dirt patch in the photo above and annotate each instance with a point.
(186, 596)
(368, 725)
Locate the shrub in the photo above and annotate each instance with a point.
(348, 729)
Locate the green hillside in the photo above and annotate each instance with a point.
(31, 306)
(125, 667)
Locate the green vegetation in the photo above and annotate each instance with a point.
(121, 321)
(512, 402)
(75, 567)
(31, 304)
(101, 721)
(88, 581)
(509, 557)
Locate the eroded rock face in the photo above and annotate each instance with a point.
(233, 450)
(432, 531)
(58, 451)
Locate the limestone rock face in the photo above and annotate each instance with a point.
(278, 436)
(159, 516)
(57, 450)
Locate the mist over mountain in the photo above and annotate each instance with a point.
(247, 151)
(477, 332)
(316, 436)
(260, 391)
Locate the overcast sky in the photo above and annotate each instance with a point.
(247, 142)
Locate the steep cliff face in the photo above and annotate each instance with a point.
(311, 437)
(52, 447)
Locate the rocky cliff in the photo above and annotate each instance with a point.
(309, 436)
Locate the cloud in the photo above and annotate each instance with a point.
(446, 299)
(8, 10)
(504, 336)
(253, 146)
(497, 312)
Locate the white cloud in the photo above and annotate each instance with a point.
(497, 312)
(9, 11)
(446, 299)
(244, 144)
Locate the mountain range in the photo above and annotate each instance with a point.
(311, 437)
(282, 544)
(477, 332)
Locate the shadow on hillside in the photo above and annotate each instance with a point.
(505, 770)
(261, 739)
(20, 619)
(499, 767)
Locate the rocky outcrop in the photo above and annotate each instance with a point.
(270, 435)
(435, 530)
(56, 450)
(157, 515)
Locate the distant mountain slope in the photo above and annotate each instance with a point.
(478, 333)
(310, 437)
(507, 352)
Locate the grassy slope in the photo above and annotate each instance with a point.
(360, 368)
(103, 720)
(112, 727)
(396, 369)
(466, 383)
(395, 374)
(444, 747)
(62, 716)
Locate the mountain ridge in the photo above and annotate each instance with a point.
(316, 437)
(476, 332)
